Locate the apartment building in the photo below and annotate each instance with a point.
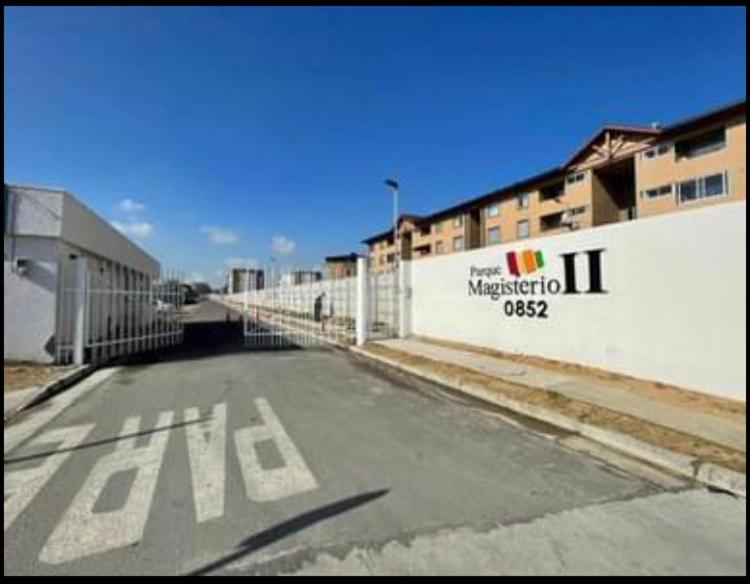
(245, 278)
(621, 173)
(341, 266)
(382, 250)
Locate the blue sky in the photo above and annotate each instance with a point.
(217, 134)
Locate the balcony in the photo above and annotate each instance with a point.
(422, 250)
(551, 222)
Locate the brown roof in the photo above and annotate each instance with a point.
(635, 130)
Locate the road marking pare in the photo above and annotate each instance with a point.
(270, 485)
(84, 531)
(206, 442)
(21, 486)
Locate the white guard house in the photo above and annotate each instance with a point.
(75, 288)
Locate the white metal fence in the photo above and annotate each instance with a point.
(106, 310)
(383, 303)
(279, 313)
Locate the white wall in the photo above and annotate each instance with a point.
(84, 229)
(43, 212)
(29, 300)
(36, 211)
(48, 225)
(674, 311)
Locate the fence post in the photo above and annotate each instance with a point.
(79, 311)
(363, 300)
(404, 299)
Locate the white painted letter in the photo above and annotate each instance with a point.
(82, 532)
(270, 485)
(207, 455)
(21, 486)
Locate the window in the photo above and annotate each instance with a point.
(493, 236)
(701, 188)
(551, 222)
(702, 144)
(438, 247)
(523, 200)
(493, 210)
(458, 243)
(656, 151)
(439, 227)
(523, 229)
(572, 179)
(458, 221)
(553, 191)
(390, 258)
(713, 186)
(658, 192)
(688, 191)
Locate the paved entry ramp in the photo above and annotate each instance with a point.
(218, 461)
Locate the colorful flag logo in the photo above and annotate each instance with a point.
(525, 262)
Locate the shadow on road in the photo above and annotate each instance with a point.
(211, 330)
(103, 441)
(290, 527)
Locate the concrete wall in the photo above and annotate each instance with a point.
(43, 212)
(674, 308)
(86, 230)
(48, 225)
(29, 300)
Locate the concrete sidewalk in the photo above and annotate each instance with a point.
(692, 435)
(19, 400)
(725, 429)
(12, 400)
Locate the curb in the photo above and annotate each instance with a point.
(51, 389)
(688, 466)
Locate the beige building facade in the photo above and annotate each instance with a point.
(621, 174)
(341, 266)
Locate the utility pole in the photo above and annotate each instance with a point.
(394, 186)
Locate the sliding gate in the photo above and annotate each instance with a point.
(106, 310)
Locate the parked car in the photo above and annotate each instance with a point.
(189, 294)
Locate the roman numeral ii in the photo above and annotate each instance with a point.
(595, 272)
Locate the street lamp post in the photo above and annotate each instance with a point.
(393, 185)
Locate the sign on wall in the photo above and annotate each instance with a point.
(523, 285)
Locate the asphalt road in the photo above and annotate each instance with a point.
(215, 459)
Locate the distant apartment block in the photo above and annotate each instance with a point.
(297, 277)
(621, 173)
(241, 279)
(341, 266)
